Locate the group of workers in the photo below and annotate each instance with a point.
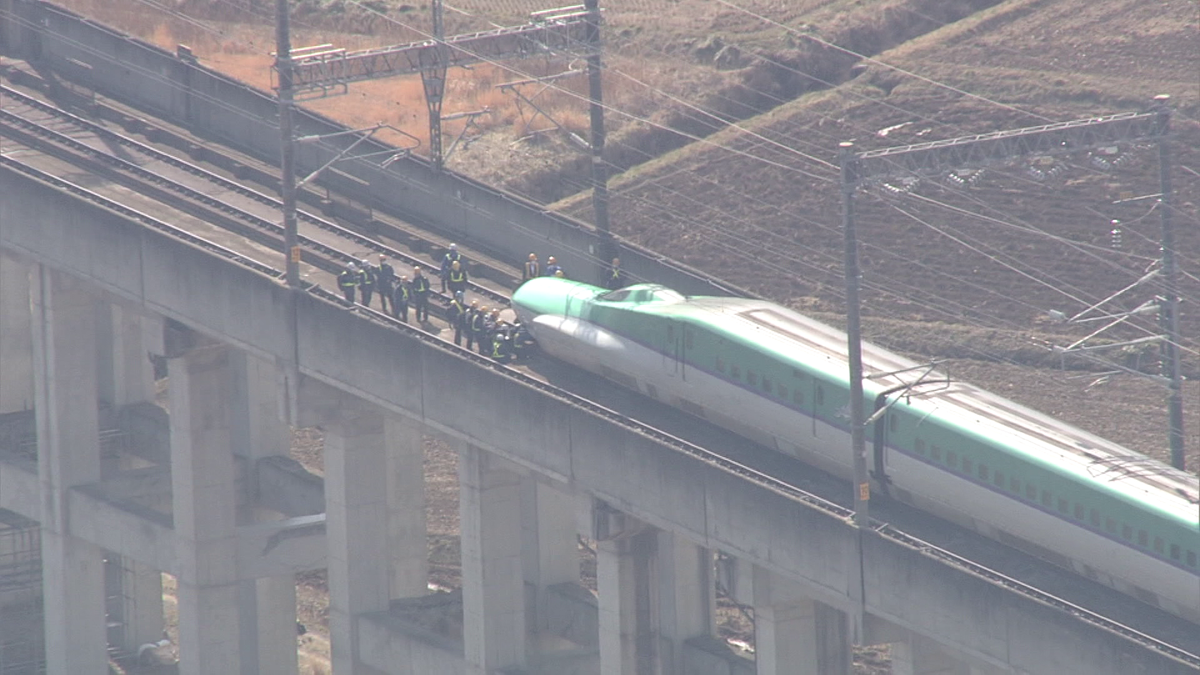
(480, 326)
(614, 278)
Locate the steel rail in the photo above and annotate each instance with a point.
(239, 189)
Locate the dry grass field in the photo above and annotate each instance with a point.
(725, 116)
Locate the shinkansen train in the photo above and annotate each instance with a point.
(779, 378)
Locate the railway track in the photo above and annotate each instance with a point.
(43, 128)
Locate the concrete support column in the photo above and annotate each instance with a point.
(623, 579)
(408, 545)
(687, 597)
(796, 635)
(16, 336)
(550, 548)
(266, 607)
(202, 481)
(356, 526)
(494, 624)
(124, 341)
(68, 439)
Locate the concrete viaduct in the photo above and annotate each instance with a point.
(207, 493)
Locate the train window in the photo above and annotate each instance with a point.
(797, 397)
(1078, 511)
(936, 452)
(1063, 505)
(820, 395)
(720, 365)
(951, 459)
(968, 465)
(1110, 525)
(1094, 517)
(920, 446)
(1174, 551)
(752, 378)
(735, 372)
(1191, 558)
(1014, 484)
(766, 384)
(783, 392)
(983, 473)
(1143, 539)
(1158, 544)
(999, 479)
(1126, 531)
(1031, 491)
(1047, 499)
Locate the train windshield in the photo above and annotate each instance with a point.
(642, 293)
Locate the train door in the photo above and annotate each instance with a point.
(672, 352)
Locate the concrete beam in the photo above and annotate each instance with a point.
(642, 476)
(281, 547)
(284, 485)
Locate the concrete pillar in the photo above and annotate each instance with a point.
(494, 624)
(124, 341)
(266, 607)
(796, 635)
(68, 439)
(687, 597)
(16, 336)
(922, 656)
(623, 580)
(550, 548)
(408, 547)
(125, 375)
(202, 481)
(355, 526)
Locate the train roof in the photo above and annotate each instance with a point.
(1035, 435)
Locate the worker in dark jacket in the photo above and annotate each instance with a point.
(455, 315)
(366, 282)
(468, 323)
(348, 281)
(552, 267)
(385, 282)
(616, 276)
(501, 340)
(479, 328)
(533, 268)
(452, 256)
(456, 279)
(420, 295)
(521, 341)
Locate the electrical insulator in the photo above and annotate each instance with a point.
(1115, 234)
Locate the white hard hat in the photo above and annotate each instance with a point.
(453, 247)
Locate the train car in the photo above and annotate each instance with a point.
(779, 378)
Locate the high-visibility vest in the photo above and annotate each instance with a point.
(532, 268)
(347, 279)
(458, 276)
(420, 285)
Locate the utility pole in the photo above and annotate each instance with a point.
(858, 417)
(433, 77)
(596, 105)
(858, 422)
(1169, 315)
(287, 148)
